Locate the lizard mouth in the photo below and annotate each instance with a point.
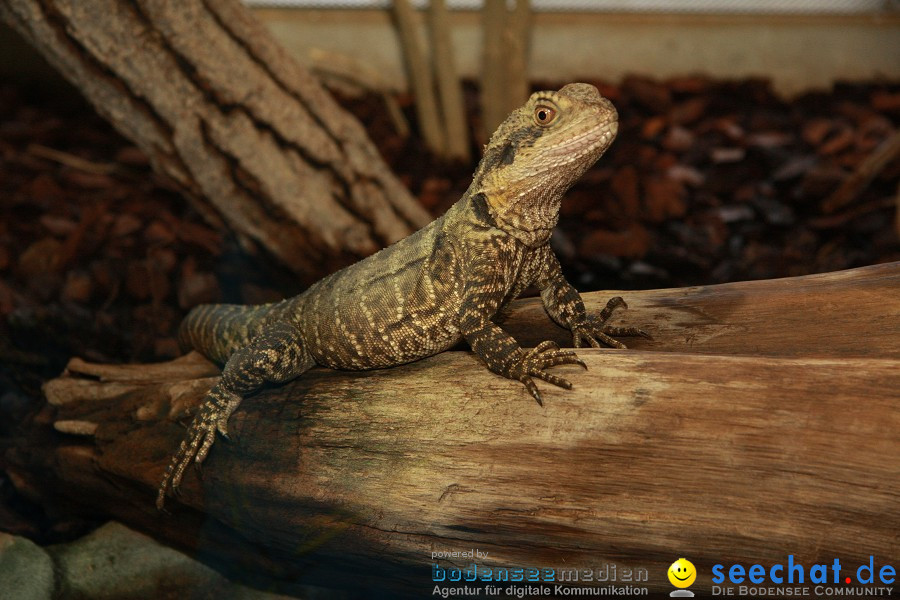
(584, 143)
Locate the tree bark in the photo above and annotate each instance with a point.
(651, 456)
(249, 135)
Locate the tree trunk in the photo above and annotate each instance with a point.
(652, 455)
(249, 134)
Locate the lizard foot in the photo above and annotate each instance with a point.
(201, 434)
(596, 333)
(531, 363)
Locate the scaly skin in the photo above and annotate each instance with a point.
(449, 281)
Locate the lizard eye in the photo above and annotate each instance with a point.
(544, 115)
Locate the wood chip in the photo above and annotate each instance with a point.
(70, 160)
(84, 428)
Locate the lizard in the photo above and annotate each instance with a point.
(450, 281)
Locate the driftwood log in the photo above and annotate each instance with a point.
(762, 420)
(248, 133)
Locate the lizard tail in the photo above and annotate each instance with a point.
(217, 330)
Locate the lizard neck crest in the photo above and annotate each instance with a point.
(537, 153)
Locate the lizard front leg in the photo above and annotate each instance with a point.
(564, 305)
(503, 355)
(500, 352)
(276, 355)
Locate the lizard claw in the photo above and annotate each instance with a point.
(222, 428)
(596, 333)
(531, 363)
(200, 437)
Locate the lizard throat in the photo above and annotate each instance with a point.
(528, 209)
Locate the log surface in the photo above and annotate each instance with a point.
(840, 314)
(651, 455)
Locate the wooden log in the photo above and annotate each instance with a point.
(855, 312)
(652, 455)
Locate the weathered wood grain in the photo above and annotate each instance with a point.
(840, 314)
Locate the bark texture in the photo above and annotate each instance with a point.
(788, 446)
(249, 134)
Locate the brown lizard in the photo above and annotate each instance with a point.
(449, 281)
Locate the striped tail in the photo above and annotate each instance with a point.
(217, 330)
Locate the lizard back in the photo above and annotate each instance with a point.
(392, 307)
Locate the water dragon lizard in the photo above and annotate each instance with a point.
(449, 281)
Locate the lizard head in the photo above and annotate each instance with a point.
(538, 152)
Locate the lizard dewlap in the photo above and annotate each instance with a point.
(449, 281)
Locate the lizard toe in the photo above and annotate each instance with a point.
(208, 436)
(554, 379)
(222, 428)
(532, 389)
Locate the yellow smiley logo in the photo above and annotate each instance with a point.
(682, 573)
